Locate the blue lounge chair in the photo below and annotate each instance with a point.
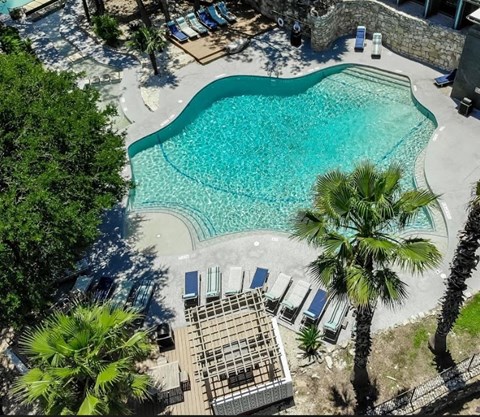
(259, 278)
(317, 307)
(176, 33)
(227, 14)
(215, 16)
(205, 20)
(191, 294)
(446, 79)
(360, 38)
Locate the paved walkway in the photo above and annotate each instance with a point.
(450, 174)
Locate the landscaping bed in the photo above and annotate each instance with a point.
(400, 360)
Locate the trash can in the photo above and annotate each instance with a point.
(465, 106)
(165, 336)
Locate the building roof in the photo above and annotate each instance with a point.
(232, 336)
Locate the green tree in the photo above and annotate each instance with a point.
(147, 40)
(356, 221)
(11, 42)
(83, 362)
(464, 262)
(60, 169)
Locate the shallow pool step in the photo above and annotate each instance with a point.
(383, 77)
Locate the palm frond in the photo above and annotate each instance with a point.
(139, 385)
(89, 405)
(364, 177)
(309, 226)
(324, 270)
(411, 202)
(361, 289)
(108, 375)
(392, 290)
(417, 255)
(377, 248)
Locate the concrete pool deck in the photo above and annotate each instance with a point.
(450, 168)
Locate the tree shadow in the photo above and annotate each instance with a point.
(114, 255)
(447, 368)
(365, 395)
(341, 398)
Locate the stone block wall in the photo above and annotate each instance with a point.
(407, 35)
(402, 33)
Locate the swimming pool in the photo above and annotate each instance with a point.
(245, 152)
(10, 4)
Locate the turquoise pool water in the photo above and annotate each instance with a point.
(244, 154)
(10, 4)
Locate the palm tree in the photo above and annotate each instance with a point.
(464, 262)
(83, 362)
(147, 40)
(356, 220)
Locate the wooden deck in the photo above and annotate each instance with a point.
(210, 47)
(195, 401)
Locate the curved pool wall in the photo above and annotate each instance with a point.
(225, 88)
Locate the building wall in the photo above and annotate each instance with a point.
(467, 79)
(407, 35)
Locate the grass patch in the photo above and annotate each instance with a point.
(468, 320)
(420, 337)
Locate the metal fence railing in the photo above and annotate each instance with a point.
(450, 380)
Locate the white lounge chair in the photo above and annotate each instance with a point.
(376, 45)
(278, 290)
(185, 28)
(293, 301)
(214, 283)
(235, 281)
(334, 323)
(195, 24)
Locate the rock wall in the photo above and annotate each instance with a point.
(402, 33)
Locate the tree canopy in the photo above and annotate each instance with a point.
(60, 168)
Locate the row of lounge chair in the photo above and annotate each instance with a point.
(118, 295)
(191, 295)
(281, 297)
(191, 26)
(294, 298)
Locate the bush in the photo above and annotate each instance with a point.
(107, 28)
(16, 13)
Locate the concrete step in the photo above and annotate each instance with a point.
(383, 77)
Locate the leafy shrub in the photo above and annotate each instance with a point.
(16, 13)
(11, 42)
(310, 339)
(107, 28)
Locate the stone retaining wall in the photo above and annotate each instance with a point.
(408, 35)
(402, 33)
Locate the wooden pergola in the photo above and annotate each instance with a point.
(234, 345)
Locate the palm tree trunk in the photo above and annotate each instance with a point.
(196, 5)
(153, 59)
(166, 13)
(143, 14)
(363, 347)
(85, 9)
(464, 263)
(100, 6)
